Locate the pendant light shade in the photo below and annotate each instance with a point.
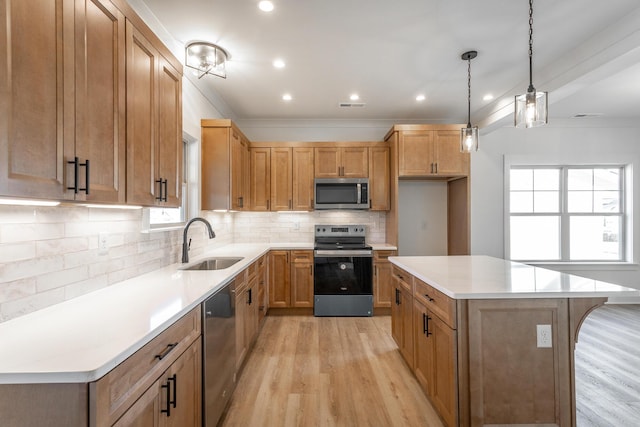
(469, 134)
(531, 108)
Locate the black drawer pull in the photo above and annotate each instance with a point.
(173, 379)
(426, 325)
(166, 352)
(428, 297)
(168, 400)
(250, 296)
(397, 297)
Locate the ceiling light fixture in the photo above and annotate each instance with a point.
(278, 63)
(531, 108)
(420, 98)
(206, 58)
(354, 97)
(487, 97)
(469, 135)
(266, 6)
(287, 97)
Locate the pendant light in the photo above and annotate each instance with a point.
(531, 107)
(469, 135)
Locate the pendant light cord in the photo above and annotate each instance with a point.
(531, 88)
(469, 93)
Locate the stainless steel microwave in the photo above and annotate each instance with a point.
(341, 193)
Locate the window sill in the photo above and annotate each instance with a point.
(587, 266)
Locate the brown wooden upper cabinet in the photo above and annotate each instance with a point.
(62, 79)
(226, 161)
(281, 178)
(341, 162)
(154, 124)
(379, 178)
(431, 153)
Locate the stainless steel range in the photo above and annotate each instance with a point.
(343, 271)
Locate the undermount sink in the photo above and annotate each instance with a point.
(217, 263)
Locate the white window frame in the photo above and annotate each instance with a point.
(629, 193)
(188, 170)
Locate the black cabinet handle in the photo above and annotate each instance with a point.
(76, 175)
(166, 352)
(426, 325)
(173, 379)
(159, 182)
(250, 296)
(164, 184)
(428, 297)
(397, 296)
(168, 400)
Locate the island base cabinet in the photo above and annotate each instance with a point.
(513, 381)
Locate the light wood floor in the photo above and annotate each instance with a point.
(608, 368)
(324, 371)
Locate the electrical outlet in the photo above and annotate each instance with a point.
(296, 225)
(103, 243)
(544, 336)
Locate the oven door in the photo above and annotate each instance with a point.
(343, 272)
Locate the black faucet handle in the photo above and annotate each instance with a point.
(189, 244)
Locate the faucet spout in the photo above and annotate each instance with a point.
(185, 244)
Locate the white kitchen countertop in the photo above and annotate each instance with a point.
(484, 277)
(82, 339)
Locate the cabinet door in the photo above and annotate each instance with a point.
(281, 179)
(449, 160)
(415, 153)
(169, 151)
(443, 370)
(302, 180)
(142, 65)
(260, 179)
(382, 286)
(35, 36)
(379, 178)
(100, 101)
(237, 171)
(253, 305)
(422, 348)
(355, 162)
(145, 411)
(263, 293)
(183, 381)
(302, 279)
(241, 319)
(327, 162)
(246, 181)
(401, 321)
(279, 279)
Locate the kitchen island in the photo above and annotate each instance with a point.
(492, 341)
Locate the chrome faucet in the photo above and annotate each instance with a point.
(186, 245)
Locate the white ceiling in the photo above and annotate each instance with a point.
(586, 54)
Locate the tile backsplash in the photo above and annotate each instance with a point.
(50, 254)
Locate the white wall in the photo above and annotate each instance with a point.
(571, 141)
(422, 218)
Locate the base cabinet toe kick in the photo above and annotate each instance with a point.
(482, 361)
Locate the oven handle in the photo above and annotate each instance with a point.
(343, 253)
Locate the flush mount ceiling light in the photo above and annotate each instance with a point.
(206, 58)
(469, 135)
(531, 107)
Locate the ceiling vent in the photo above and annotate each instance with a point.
(587, 115)
(352, 105)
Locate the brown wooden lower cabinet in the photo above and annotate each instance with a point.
(477, 360)
(291, 279)
(382, 281)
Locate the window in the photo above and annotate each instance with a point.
(566, 213)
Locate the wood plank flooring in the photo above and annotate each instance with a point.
(608, 368)
(325, 371)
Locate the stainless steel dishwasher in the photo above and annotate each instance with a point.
(219, 352)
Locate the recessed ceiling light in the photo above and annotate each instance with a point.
(487, 97)
(354, 97)
(278, 63)
(287, 97)
(420, 98)
(266, 6)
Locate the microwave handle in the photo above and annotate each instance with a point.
(359, 192)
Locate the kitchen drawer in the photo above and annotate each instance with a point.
(383, 255)
(405, 279)
(302, 256)
(242, 280)
(252, 270)
(261, 262)
(114, 393)
(436, 302)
